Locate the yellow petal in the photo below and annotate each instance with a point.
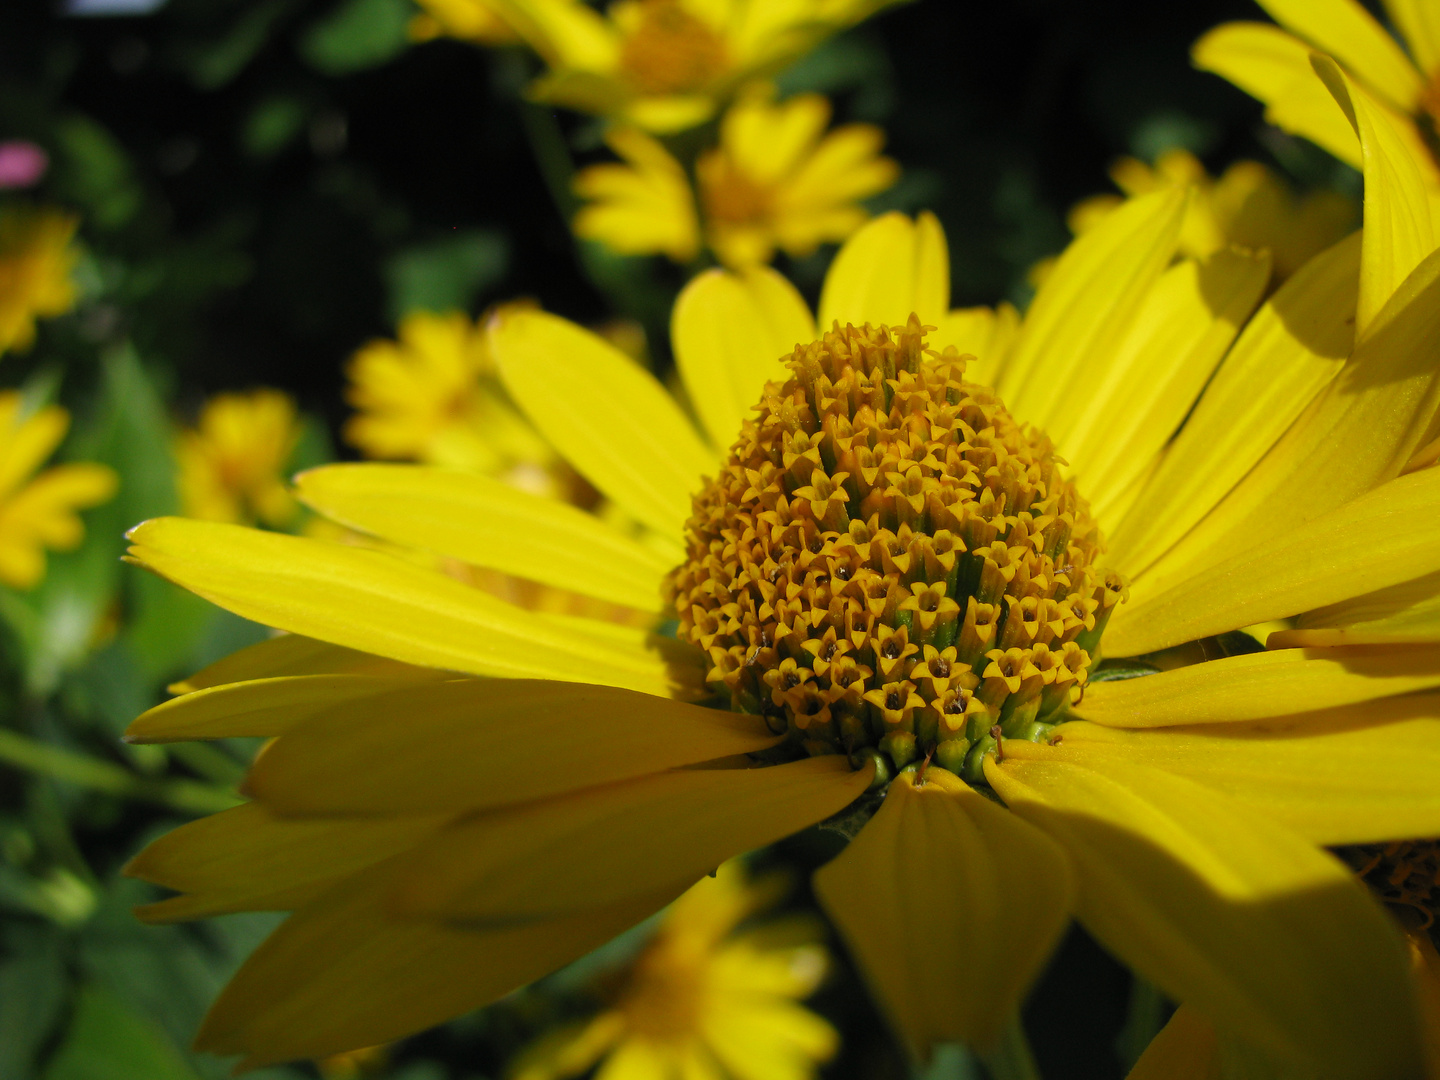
(1230, 913)
(1348, 775)
(984, 333)
(1269, 64)
(1399, 231)
(263, 707)
(609, 417)
(1375, 541)
(927, 897)
(1419, 23)
(1288, 352)
(730, 331)
(566, 33)
(246, 859)
(1345, 30)
(1087, 303)
(889, 269)
(29, 442)
(1257, 685)
(465, 744)
(293, 654)
(1401, 614)
(1185, 1049)
(489, 523)
(344, 972)
(603, 844)
(1130, 403)
(374, 602)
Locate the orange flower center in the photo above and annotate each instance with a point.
(888, 565)
(670, 51)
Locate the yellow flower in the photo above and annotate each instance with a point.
(703, 1001)
(891, 577)
(667, 65)
(433, 396)
(232, 465)
(37, 257)
(773, 181)
(469, 20)
(1249, 205)
(39, 512)
(1270, 64)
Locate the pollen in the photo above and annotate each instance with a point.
(889, 566)
(670, 51)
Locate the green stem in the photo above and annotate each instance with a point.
(184, 796)
(1012, 1059)
(547, 143)
(1147, 1014)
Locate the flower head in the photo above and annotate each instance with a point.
(1272, 63)
(472, 794)
(232, 464)
(1248, 205)
(433, 396)
(667, 65)
(39, 511)
(701, 994)
(37, 258)
(776, 180)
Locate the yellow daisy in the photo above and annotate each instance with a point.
(40, 511)
(776, 179)
(702, 1000)
(469, 20)
(1248, 205)
(37, 258)
(433, 395)
(896, 585)
(667, 65)
(231, 466)
(1273, 65)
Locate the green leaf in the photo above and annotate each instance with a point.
(446, 275)
(32, 986)
(107, 1040)
(93, 169)
(359, 34)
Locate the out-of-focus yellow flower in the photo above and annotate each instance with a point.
(36, 261)
(1270, 64)
(776, 179)
(371, 1061)
(232, 464)
(433, 396)
(643, 207)
(39, 512)
(667, 65)
(469, 20)
(702, 1001)
(1248, 206)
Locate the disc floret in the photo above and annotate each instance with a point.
(888, 565)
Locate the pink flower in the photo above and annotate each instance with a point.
(22, 164)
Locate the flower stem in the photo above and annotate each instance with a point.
(1012, 1059)
(184, 796)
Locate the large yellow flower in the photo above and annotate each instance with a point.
(231, 466)
(37, 258)
(1248, 205)
(893, 578)
(776, 179)
(702, 1000)
(39, 512)
(667, 65)
(1270, 64)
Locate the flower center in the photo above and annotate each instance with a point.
(670, 51)
(1404, 872)
(888, 565)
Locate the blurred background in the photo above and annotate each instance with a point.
(238, 196)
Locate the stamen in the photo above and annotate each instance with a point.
(889, 561)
